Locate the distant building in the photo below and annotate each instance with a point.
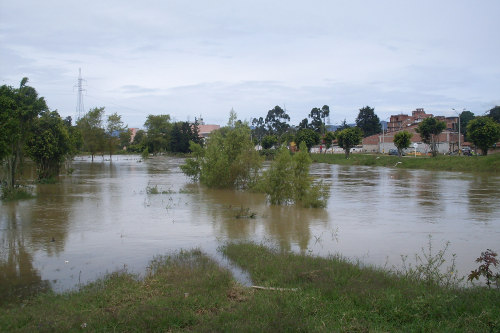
(447, 140)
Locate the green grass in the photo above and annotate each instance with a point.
(190, 292)
(490, 163)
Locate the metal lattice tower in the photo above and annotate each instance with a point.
(79, 105)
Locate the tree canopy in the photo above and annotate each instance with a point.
(277, 121)
(402, 140)
(483, 132)
(318, 117)
(308, 136)
(429, 130)
(19, 107)
(494, 113)
(368, 121)
(349, 138)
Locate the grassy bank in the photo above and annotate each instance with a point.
(490, 163)
(188, 291)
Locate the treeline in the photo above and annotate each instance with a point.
(29, 129)
(275, 130)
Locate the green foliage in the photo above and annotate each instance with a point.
(192, 166)
(15, 193)
(349, 138)
(228, 160)
(287, 180)
(328, 138)
(483, 132)
(276, 121)
(465, 117)
(18, 110)
(49, 144)
(368, 121)
(158, 128)
(93, 133)
(259, 130)
(180, 136)
(429, 130)
(317, 116)
(487, 259)
(269, 141)
(114, 127)
(494, 114)
(402, 140)
(308, 136)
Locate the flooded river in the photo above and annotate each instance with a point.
(107, 216)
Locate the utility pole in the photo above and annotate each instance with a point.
(79, 105)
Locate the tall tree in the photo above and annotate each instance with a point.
(402, 140)
(368, 121)
(92, 130)
(18, 110)
(465, 117)
(494, 113)
(157, 128)
(49, 144)
(318, 117)
(429, 130)
(483, 132)
(276, 121)
(349, 138)
(259, 130)
(114, 126)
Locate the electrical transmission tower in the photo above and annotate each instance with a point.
(79, 105)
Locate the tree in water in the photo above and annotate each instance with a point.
(287, 181)
(92, 131)
(18, 110)
(114, 127)
(228, 160)
(49, 144)
(429, 130)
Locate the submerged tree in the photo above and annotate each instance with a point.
(49, 144)
(114, 127)
(228, 160)
(92, 130)
(18, 110)
(429, 130)
(287, 181)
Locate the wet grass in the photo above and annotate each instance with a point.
(490, 163)
(190, 292)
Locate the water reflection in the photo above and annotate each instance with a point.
(102, 217)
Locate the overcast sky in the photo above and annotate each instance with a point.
(191, 58)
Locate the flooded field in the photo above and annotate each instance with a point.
(110, 215)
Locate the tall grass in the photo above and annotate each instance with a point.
(190, 292)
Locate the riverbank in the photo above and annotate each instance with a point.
(189, 291)
(490, 163)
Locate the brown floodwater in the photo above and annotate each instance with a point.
(104, 218)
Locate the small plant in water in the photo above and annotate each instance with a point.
(487, 258)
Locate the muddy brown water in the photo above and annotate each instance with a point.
(103, 218)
